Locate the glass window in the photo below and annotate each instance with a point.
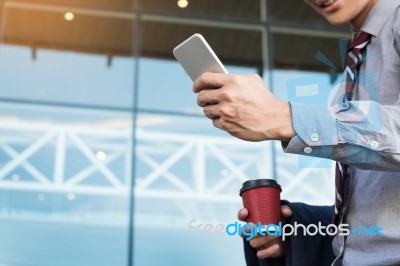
(70, 152)
(92, 6)
(240, 47)
(305, 179)
(172, 89)
(85, 61)
(313, 61)
(222, 9)
(64, 186)
(164, 85)
(299, 14)
(310, 53)
(187, 174)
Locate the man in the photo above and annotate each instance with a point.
(360, 130)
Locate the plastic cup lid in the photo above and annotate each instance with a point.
(250, 184)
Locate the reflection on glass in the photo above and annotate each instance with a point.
(304, 179)
(309, 54)
(64, 186)
(171, 90)
(298, 13)
(187, 173)
(222, 9)
(238, 47)
(65, 78)
(66, 173)
(85, 60)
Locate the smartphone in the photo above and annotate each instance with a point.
(197, 57)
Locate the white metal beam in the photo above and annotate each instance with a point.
(170, 161)
(100, 166)
(26, 165)
(199, 148)
(28, 152)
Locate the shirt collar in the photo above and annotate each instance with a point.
(378, 15)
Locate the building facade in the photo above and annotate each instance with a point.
(105, 159)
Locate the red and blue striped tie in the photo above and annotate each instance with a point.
(354, 59)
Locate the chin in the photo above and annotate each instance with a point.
(337, 21)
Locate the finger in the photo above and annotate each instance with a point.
(286, 211)
(268, 241)
(209, 80)
(217, 122)
(270, 252)
(212, 111)
(221, 124)
(207, 97)
(263, 241)
(247, 230)
(242, 214)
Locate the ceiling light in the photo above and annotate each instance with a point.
(183, 3)
(69, 16)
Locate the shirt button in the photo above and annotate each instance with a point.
(308, 150)
(374, 145)
(314, 137)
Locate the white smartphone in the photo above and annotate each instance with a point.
(197, 57)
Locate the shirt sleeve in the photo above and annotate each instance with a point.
(396, 31)
(358, 133)
(364, 134)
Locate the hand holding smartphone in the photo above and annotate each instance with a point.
(197, 57)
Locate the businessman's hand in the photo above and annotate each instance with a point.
(243, 106)
(267, 246)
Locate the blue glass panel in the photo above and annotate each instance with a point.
(64, 186)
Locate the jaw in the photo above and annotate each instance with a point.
(332, 10)
(340, 12)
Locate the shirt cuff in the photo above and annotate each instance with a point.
(315, 128)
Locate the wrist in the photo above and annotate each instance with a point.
(285, 129)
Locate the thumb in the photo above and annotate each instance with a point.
(242, 215)
(286, 211)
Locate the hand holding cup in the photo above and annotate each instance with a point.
(262, 205)
(267, 246)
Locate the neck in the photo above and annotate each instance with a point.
(358, 20)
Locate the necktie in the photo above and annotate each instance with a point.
(354, 60)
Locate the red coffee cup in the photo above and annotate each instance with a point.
(261, 197)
